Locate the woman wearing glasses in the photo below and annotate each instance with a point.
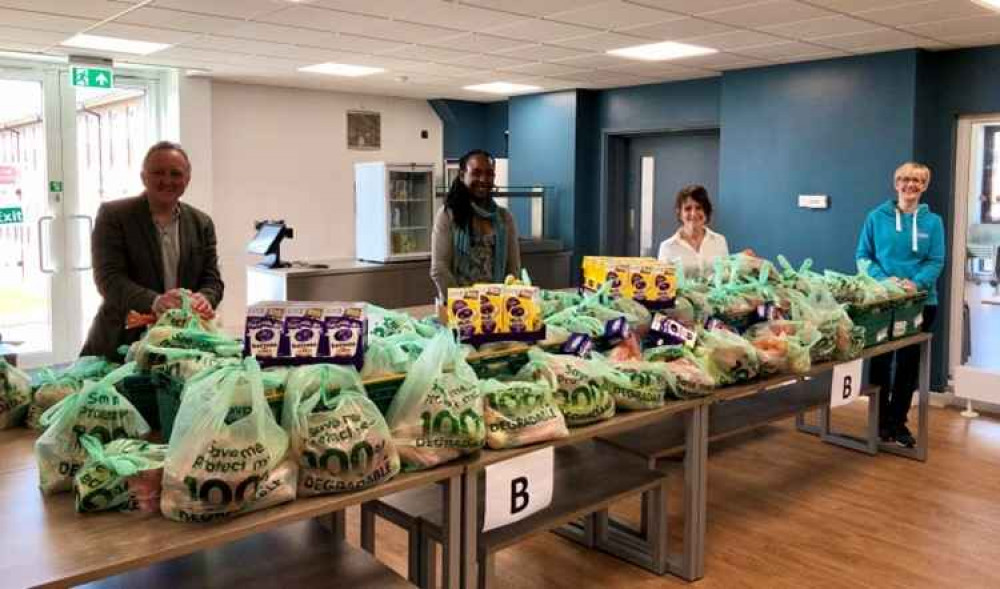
(904, 241)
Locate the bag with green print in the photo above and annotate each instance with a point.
(125, 475)
(338, 436)
(15, 395)
(519, 413)
(437, 414)
(583, 388)
(52, 386)
(650, 384)
(393, 354)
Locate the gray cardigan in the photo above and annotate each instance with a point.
(442, 251)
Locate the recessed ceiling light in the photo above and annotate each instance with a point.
(341, 69)
(992, 4)
(114, 44)
(662, 51)
(502, 88)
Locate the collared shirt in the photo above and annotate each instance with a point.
(170, 246)
(695, 262)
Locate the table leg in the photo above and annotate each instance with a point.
(470, 525)
(452, 547)
(695, 493)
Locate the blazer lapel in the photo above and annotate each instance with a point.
(153, 241)
(189, 238)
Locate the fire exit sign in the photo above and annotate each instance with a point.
(93, 77)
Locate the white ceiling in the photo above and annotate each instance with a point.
(431, 48)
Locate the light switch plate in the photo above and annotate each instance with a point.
(814, 201)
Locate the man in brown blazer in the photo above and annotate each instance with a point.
(147, 248)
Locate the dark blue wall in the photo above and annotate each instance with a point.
(496, 128)
(472, 125)
(543, 131)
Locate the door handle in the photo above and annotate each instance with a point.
(90, 229)
(41, 248)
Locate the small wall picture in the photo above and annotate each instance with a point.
(364, 130)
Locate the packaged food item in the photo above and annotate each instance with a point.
(625, 350)
(693, 376)
(491, 308)
(338, 436)
(583, 388)
(15, 394)
(437, 414)
(99, 410)
(783, 346)
(649, 384)
(265, 323)
(304, 326)
(522, 307)
(463, 312)
(729, 358)
(222, 462)
(394, 354)
(520, 413)
(53, 386)
(346, 332)
(124, 475)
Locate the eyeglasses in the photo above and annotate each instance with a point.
(914, 179)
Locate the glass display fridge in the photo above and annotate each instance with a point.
(394, 211)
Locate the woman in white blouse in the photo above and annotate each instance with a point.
(694, 246)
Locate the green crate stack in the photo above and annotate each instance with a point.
(907, 318)
(876, 319)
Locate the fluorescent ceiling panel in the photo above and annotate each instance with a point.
(502, 88)
(341, 69)
(113, 44)
(662, 51)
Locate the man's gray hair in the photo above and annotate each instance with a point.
(164, 145)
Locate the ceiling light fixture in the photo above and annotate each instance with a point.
(662, 51)
(502, 88)
(33, 56)
(991, 4)
(341, 69)
(114, 44)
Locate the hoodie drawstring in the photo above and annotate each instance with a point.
(915, 230)
(899, 226)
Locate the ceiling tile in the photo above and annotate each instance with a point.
(542, 69)
(309, 17)
(875, 38)
(540, 52)
(811, 57)
(683, 28)
(451, 15)
(922, 44)
(439, 69)
(975, 40)
(855, 6)
(958, 27)
(311, 38)
(591, 60)
(540, 30)
(614, 14)
(782, 51)
(137, 33)
(736, 40)
(767, 13)
(43, 22)
(925, 12)
(722, 61)
(477, 42)
(607, 77)
(649, 68)
(487, 61)
(532, 7)
(232, 8)
(41, 38)
(691, 7)
(219, 43)
(198, 56)
(181, 21)
(87, 9)
(821, 27)
(603, 42)
(425, 52)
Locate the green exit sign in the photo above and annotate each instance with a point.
(11, 216)
(93, 77)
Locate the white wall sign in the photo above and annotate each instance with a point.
(518, 487)
(846, 385)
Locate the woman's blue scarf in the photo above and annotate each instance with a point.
(462, 241)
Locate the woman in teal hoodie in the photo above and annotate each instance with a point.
(904, 241)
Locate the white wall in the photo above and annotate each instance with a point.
(280, 153)
(195, 114)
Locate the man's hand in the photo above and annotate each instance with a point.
(166, 301)
(201, 306)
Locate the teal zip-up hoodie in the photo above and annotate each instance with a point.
(904, 245)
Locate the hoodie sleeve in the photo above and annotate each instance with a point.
(930, 268)
(866, 250)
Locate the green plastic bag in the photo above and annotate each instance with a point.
(53, 386)
(729, 358)
(148, 352)
(520, 413)
(221, 462)
(583, 388)
(125, 475)
(338, 436)
(15, 394)
(437, 414)
(383, 323)
(650, 383)
(692, 375)
(783, 346)
(663, 353)
(98, 410)
(394, 354)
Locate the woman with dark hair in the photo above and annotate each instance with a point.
(694, 246)
(474, 239)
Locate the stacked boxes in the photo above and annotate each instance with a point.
(494, 312)
(279, 332)
(645, 280)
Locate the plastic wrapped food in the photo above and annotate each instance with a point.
(626, 350)
(394, 354)
(54, 386)
(98, 410)
(338, 436)
(15, 394)
(437, 414)
(649, 384)
(828, 317)
(728, 357)
(783, 346)
(663, 353)
(124, 475)
(520, 413)
(227, 454)
(582, 387)
(385, 323)
(692, 376)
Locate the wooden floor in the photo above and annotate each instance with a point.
(785, 510)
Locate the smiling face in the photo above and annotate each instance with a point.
(692, 215)
(478, 177)
(166, 176)
(911, 183)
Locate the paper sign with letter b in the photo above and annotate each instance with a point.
(846, 383)
(518, 487)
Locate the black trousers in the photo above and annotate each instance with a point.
(897, 389)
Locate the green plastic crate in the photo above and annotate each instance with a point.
(169, 401)
(141, 391)
(876, 319)
(908, 316)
